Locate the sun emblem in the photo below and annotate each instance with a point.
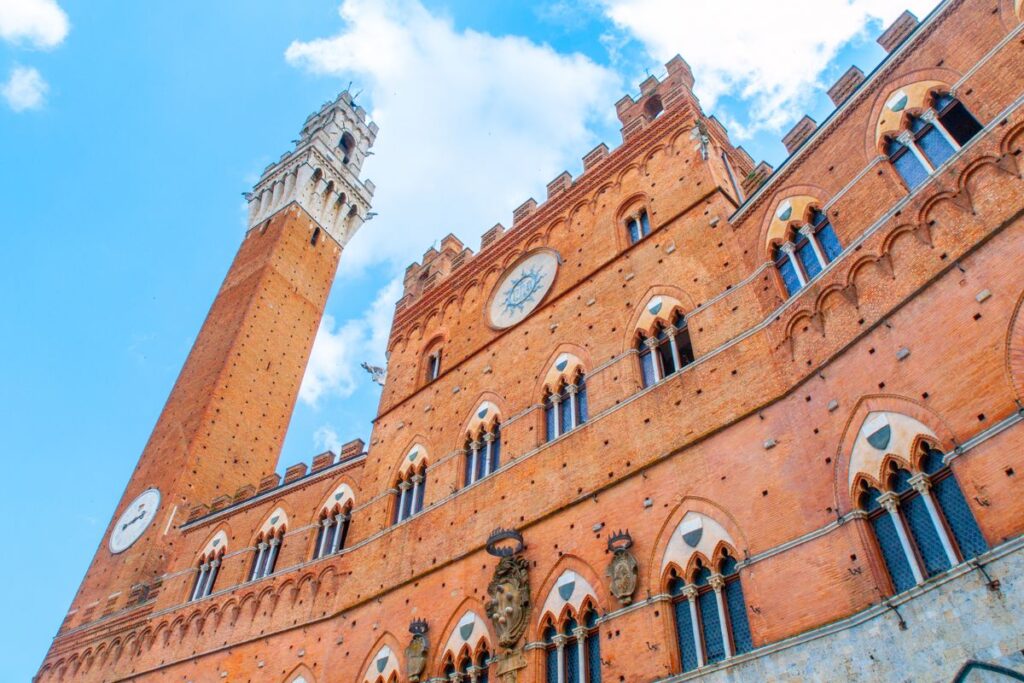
(522, 289)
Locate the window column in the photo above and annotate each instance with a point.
(652, 345)
(211, 577)
(907, 139)
(326, 524)
(932, 117)
(808, 231)
(403, 500)
(417, 491)
(488, 452)
(717, 582)
(556, 400)
(340, 520)
(690, 591)
(789, 249)
(922, 484)
(197, 589)
(671, 330)
(890, 501)
(474, 673)
(260, 556)
(571, 389)
(581, 655)
(559, 641)
(275, 545)
(474, 453)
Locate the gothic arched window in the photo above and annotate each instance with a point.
(930, 138)
(710, 614)
(573, 649)
(565, 409)
(346, 145)
(332, 530)
(664, 352)
(922, 523)
(268, 546)
(638, 226)
(483, 453)
(409, 493)
(206, 574)
(810, 248)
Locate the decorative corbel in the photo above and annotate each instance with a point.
(923, 232)
(850, 293)
(885, 263)
(1010, 164)
(818, 320)
(962, 200)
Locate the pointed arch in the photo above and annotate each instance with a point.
(670, 549)
(382, 660)
(844, 476)
(678, 301)
(564, 362)
(586, 583)
(300, 674)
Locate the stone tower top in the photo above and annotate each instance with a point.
(321, 174)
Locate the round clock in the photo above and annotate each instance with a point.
(521, 289)
(134, 520)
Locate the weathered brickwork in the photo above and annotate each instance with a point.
(760, 439)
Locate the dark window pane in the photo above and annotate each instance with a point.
(950, 498)
(685, 347)
(901, 481)
(892, 552)
(737, 608)
(572, 661)
(344, 533)
(910, 169)
(565, 409)
(319, 539)
(647, 367)
(926, 537)
(481, 459)
(418, 503)
(828, 242)
(582, 413)
(935, 146)
(468, 467)
(932, 461)
(960, 123)
(668, 363)
(711, 627)
(593, 644)
(551, 665)
(549, 418)
(645, 224)
(916, 124)
(684, 634)
(496, 449)
(808, 259)
(789, 276)
(634, 231)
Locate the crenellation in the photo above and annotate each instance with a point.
(846, 85)
(560, 184)
(799, 133)
(898, 31)
(523, 211)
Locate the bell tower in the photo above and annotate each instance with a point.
(226, 417)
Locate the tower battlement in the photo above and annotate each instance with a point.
(321, 174)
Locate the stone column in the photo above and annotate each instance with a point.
(258, 563)
(890, 501)
(671, 331)
(690, 591)
(573, 419)
(556, 401)
(211, 577)
(652, 344)
(932, 117)
(488, 452)
(275, 545)
(922, 484)
(808, 232)
(197, 589)
(326, 524)
(417, 484)
(789, 249)
(581, 662)
(403, 501)
(474, 453)
(907, 139)
(559, 641)
(717, 582)
(339, 520)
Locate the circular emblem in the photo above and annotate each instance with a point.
(521, 289)
(134, 520)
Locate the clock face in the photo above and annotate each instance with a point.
(522, 288)
(136, 517)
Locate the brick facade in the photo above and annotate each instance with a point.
(761, 436)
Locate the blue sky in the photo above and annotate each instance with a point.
(130, 130)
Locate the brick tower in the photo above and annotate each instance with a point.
(226, 417)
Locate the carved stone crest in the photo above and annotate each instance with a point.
(622, 570)
(416, 651)
(510, 603)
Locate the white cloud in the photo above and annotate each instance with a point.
(25, 89)
(770, 54)
(36, 23)
(327, 438)
(338, 350)
(471, 123)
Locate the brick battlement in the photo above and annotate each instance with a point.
(272, 485)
